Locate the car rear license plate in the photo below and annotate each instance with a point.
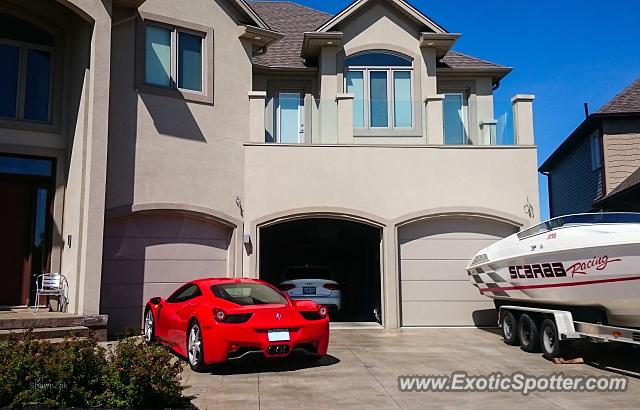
(308, 290)
(278, 335)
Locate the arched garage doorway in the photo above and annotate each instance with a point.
(151, 254)
(349, 250)
(434, 286)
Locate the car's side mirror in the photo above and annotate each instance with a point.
(156, 300)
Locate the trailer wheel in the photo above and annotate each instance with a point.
(509, 326)
(550, 340)
(528, 334)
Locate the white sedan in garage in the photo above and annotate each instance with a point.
(315, 283)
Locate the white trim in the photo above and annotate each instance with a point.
(407, 8)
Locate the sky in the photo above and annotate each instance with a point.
(565, 52)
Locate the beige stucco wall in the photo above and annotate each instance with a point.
(621, 143)
(170, 150)
(386, 186)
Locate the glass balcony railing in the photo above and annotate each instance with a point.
(504, 133)
(291, 119)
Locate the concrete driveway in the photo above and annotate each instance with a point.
(363, 366)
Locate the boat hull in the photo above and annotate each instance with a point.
(603, 277)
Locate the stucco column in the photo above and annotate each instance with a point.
(434, 127)
(523, 119)
(390, 278)
(257, 101)
(93, 179)
(328, 92)
(345, 118)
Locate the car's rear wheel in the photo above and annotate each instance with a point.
(149, 326)
(195, 347)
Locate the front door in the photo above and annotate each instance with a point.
(289, 119)
(16, 209)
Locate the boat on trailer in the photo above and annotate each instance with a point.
(580, 263)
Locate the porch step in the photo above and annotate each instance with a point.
(49, 332)
(52, 324)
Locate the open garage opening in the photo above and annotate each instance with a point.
(344, 251)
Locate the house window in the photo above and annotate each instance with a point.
(26, 68)
(382, 86)
(455, 118)
(596, 152)
(173, 58)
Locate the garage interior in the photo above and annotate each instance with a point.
(350, 250)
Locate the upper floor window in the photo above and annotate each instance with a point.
(596, 151)
(455, 118)
(381, 82)
(26, 57)
(173, 58)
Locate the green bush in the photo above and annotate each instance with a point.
(80, 373)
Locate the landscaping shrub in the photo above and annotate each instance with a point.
(80, 373)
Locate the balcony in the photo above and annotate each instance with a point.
(292, 119)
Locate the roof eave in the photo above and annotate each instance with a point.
(586, 126)
(259, 36)
(313, 41)
(442, 42)
(496, 73)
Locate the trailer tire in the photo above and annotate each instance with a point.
(509, 326)
(528, 334)
(550, 342)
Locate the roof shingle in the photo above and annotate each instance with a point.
(628, 101)
(293, 20)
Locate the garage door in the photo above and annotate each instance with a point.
(151, 255)
(435, 290)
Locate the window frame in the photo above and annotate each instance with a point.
(205, 95)
(389, 70)
(21, 86)
(182, 289)
(596, 151)
(466, 139)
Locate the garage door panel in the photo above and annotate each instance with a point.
(434, 254)
(453, 291)
(469, 313)
(435, 269)
(155, 226)
(454, 228)
(443, 249)
(152, 255)
(135, 271)
(160, 248)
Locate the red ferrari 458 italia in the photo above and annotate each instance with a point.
(214, 320)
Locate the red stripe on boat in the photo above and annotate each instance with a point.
(559, 285)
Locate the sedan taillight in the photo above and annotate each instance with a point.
(287, 286)
(331, 286)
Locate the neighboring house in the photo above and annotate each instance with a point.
(598, 167)
(145, 143)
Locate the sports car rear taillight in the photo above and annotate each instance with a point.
(222, 317)
(287, 286)
(323, 311)
(331, 286)
(219, 315)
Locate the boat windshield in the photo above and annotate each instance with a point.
(581, 219)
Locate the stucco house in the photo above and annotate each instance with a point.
(145, 143)
(597, 168)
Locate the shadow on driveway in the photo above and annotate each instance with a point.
(261, 365)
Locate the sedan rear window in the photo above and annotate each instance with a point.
(245, 294)
(307, 273)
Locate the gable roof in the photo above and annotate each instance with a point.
(626, 103)
(293, 20)
(402, 5)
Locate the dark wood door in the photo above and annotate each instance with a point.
(16, 213)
